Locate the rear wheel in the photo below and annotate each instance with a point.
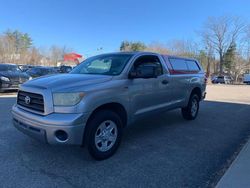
(191, 111)
(103, 136)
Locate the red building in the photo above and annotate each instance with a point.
(72, 57)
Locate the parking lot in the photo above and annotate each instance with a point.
(161, 151)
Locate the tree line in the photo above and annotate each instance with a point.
(18, 48)
(223, 46)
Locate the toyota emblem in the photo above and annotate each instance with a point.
(27, 100)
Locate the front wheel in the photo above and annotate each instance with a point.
(104, 132)
(190, 112)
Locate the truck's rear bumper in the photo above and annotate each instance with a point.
(54, 128)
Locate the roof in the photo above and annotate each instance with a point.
(129, 53)
(149, 53)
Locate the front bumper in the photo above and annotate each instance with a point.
(44, 128)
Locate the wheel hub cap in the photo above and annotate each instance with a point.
(194, 107)
(106, 135)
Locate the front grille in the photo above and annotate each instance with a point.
(35, 103)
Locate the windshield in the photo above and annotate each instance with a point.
(11, 68)
(112, 64)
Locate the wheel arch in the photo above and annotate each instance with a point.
(112, 106)
(197, 91)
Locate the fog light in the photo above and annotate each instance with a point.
(61, 135)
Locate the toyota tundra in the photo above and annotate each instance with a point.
(93, 104)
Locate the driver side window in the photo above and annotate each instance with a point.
(148, 60)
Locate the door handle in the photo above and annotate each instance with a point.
(164, 82)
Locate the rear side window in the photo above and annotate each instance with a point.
(192, 65)
(178, 64)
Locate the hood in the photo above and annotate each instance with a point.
(66, 82)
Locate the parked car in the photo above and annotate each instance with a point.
(41, 71)
(246, 79)
(93, 103)
(57, 69)
(65, 69)
(25, 68)
(11, 77)
(222, 80)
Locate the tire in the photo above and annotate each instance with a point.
(104, 133)
(190, 112)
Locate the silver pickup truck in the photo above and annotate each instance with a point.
(104, 94)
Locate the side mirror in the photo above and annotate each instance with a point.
(145, 71)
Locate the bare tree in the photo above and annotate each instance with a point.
(158, 47)
(35, 56)
(209, 54)
(247, 44)
(57, 53)
(14, 47)
(187, 48)
(248, 48)
(239, 67)
(222, 32)
(7, 49)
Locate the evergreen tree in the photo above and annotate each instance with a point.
(132, 46)
(230, 55)
(124, 46)
(22, 41)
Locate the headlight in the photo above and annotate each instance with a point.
(30, 78)
(4, 78)
(67, 99)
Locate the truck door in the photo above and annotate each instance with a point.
(151, 94)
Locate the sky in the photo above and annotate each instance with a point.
(87, 25)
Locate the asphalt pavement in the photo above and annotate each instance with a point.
(160, 151)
